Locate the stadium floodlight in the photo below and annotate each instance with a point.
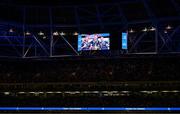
(154, 91)
(165, 31)
(175, 91)
(144, 91)
(21, 92)
(27, 33)
(55, 33)
(32, 92)
(62, 34)
(145, 29)
(77, 92)
(165, 91)
(44, 37)
(131, 31)
(86, 92)
(11, 30)
(49, 92)
(6, 93)
(41, 33)
(168, 27)
(125, 91)
(95, 91)
(76, 34)
(152, 29)
(41, 92)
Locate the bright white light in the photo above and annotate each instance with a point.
(131, 31)
(95, 91)
(144, 91)
(21, 92)
(75, 34)
(175, 91)
(125, 91)
(55, 33)
(11, 30)
(152, 29)
(41, 92)
(44, 37)
(62, 34)
(6, 93)
(86, 92)
(77, 92)
(50, 92)
(32, 92)
(41, 33)
(168, 27)
(154, 91)
(145, 29)
(165, 91)
(27, 33)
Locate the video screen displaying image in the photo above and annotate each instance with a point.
(94, 42)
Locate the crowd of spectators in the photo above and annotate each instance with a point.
(95, 70)
(90, 70)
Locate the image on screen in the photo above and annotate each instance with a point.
(94, 42)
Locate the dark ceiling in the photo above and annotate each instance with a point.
(132, 11)
(72, 2)
(57, 2)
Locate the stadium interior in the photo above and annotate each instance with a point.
(88, 56)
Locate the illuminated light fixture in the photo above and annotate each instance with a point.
(44, 37)
(62, 34)
(77, 92)
(55, 33)
(144, 91)
(152, 29)
(122, 94)
(168, 27)
(76, 34)
(36, 93)
(50, 92)
(131, 31)
(21, 92)
(114, 91)
(125, 91)
(95, 91)
(6, 93)
(27, 33)
(86, 92)
(41, 33)
(72, 93)
(175, 91)
(165, 91)
(32, 92)
(11, 30)
(40, 92)
(154, 91)
(145, 29)
(67, 92)
(165, 31)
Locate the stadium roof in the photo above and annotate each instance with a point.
(58, 2)
(132, 9)
(94, 16)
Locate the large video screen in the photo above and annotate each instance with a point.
(124, 40)
(94, 41)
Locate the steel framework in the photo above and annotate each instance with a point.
(137, 16)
